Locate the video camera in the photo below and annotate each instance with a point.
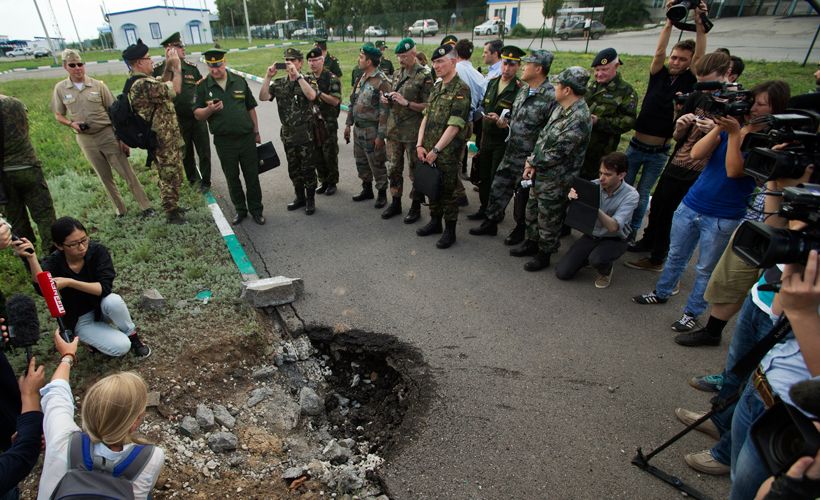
(678, 11)
(798, 128)
(725, 99)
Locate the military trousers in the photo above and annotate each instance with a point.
(196, 137)
(546, 210)
(397, 154)
(27, 189)
(103, 152)
(447, 204)
(302, 161)
(327, 167)
(370, 160)
(235, 153)
(169, 171)
(506, 181)
(488, 161)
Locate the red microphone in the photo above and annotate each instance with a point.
(55, 304)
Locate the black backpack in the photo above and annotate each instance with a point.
(129, 127)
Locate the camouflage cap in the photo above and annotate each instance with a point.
(214, 56)
(135, 51)
(512, 53)
(293, 53)
(540, 56)
(174, 38)
(371, 51)
(404, 45)
(449, 39)
(442, 51)
(606, 56)
(314, 52)
(71, 55)
(574, 77)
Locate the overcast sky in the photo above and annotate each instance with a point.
(19, 21)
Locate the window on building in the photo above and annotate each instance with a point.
(155, 32)
(657, 4)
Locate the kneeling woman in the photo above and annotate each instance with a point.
(84, 273)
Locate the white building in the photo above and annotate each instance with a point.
(524, 12)
(155, 24)
(41, 42)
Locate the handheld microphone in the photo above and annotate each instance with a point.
(55, 304)
(24, 325)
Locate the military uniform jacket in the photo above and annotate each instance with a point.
(366, 109)
(153, 101)
(18, 149)
(332, 64)
(530, 114)
(329, 84)
(89, 105)
(294, 110)
(237, 99)
(496, 102)
(386, 65)
(415, 86)
(615, 103)
(559, 151)
(449, 105)
(184, 101)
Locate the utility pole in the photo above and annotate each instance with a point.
(76, 31)
(247, 21)
(48, 38)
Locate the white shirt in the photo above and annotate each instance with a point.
(493, 71)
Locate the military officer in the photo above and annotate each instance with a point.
(294, 96)
(613, 106)
(369, 116)
(81, 103)
(194, 132)
(441, 141)
(226, 102)
(386, 65)
(153, 101)
(531, 111)
(556, 159)
(498, 100)
(407, 100)
(329, 99)
(331, 63)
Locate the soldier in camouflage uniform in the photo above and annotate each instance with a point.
(386, 65)
(369, 116)
(613, 106)
(295, 96)
(194, 132)
(153, 101)
(329, 99)
(331, 63)
(407, 101)
(441, 141)
(498, 99)
(556, 159)
(22, 185)
(531, 111)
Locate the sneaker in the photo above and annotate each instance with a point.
(686, 323)
(704, 462)
(139, 349)
(688, 418)
(676, 290)
(644, 264)
(648, 298)
(707, 383)
(697, 338)
(604, 280)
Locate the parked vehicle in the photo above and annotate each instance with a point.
(423, 27)
(19, 52)
(375, 31)
(596, 30)
(490, 27)
(42, 53)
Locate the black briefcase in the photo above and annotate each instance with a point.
(427, 180)
(268, 159)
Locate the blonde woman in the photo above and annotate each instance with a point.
(112, 410)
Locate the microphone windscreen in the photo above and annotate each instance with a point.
(806, 395)
(50, 293)
(23, 322)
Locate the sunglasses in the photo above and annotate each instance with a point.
(215, 64)
(75, 65)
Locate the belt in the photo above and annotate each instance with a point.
(763, 388)
(648, 148)
(365, 123)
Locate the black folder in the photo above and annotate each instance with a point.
(268, 158)
(583, 212)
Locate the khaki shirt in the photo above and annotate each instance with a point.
(89, 105)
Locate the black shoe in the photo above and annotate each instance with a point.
(528, 248)
(393, 209)
(322, 189)
(449, 236)
(259, 219)
(540, 260)
(366, 193)
(488, 227)
(637, 247)
(480, 215)
(139, 349)
(297, 202)
(331, 190)
(697, 338)
(238, 218)
(463, 201)
(516, 236)
(310, 205)
(432, 227)
(148, 212)
(381, 200)
(204, 188)
(414, 213)
(175, 217)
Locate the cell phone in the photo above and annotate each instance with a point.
(281, 65)
(217, 101)
(84, 127)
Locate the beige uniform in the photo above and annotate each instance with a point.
(89, 105)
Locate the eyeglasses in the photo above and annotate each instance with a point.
(82, 242)
(75, 65)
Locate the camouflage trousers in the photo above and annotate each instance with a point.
(397, 153)
(370, 161)
(447, 204)
(169, 171)
(546, 210)
(327, 167)
(27, 189)
(506, 181)
(302, 163)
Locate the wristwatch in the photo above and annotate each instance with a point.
(435, 150)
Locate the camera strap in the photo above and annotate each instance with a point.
(707, 24)
(747, 364)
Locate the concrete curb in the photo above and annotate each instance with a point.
(240, 258)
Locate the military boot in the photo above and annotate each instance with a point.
(480, 215)
(322, 189)
(488, 227)
(310, 203)
(528, 248)
(516, 236)
(393, 209)
(414, 213)
(381, 200)
(449, 237)
(539, 261)
(175, 217)
(331, 190)
(366, 194)
(432, 227)
(299, 201)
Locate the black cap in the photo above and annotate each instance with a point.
(135, 51)
(605, 56)
(442, 51)
(314, 52)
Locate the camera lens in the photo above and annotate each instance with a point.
(785, 445)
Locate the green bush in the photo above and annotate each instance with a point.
(519, 31)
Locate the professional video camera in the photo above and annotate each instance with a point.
(798, 129)
(678, 11)
(726, 99)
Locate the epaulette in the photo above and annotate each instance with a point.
(201, 80)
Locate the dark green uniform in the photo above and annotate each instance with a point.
(386, 65)
(194, 132)
(327, 168)
(332, 65)
(615, 103)
(234, 139)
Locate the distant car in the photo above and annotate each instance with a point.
(303, 33)
(423, 27)
(375, 31)
(577, 30)
(42, 53)
(490, 27)
(19, 52)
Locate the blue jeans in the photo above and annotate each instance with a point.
(109, 340)
(690, 230)
(748, 469)
(752, 325)
(653, 164)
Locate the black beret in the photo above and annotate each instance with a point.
(314, 52)
(135, 51)
(442, 51)
(605, 56)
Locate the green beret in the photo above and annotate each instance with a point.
(214, 56)
(371, 51)
(135, 51)
(293, 53)
(512, 53)
(449, 39)
(174, 38)
(404, 45)
(442, 51)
